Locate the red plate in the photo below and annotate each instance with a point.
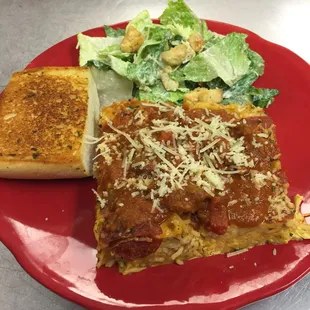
(48, 224)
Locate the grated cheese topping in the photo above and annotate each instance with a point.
(101, 201)
(187, 149)
(231, 254)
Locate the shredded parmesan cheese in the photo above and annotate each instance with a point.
(232, 202)
(134, 143)
(101, 201)
(236, 252)
(177, 253)
(209, 146)
(259, 179)
(155, 206)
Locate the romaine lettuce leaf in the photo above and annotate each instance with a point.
(91, 46)
(144, 72)
(115, 50)
(111, 87)
(241, 86)
(111, 32)
(141, 22)
(263, 97)
(260, 97)
(145, 69)
(155, 35)
(98, 64)
(212, 40)
(181, 19)
(241, 89)
(243, 92)
(257, 63)
(206, 34)
(227, 58)
(217, 83)
(197, 70)
(158, 93)
(120, 66)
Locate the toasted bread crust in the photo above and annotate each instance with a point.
(41, 170)
(43, 113)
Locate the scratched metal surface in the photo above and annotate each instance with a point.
(28, 27)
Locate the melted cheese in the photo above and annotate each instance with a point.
(172, 227)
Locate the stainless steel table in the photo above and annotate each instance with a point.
(28, 27)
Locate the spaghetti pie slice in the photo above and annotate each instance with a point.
(176, 183)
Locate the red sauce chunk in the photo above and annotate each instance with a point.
(134, 249)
